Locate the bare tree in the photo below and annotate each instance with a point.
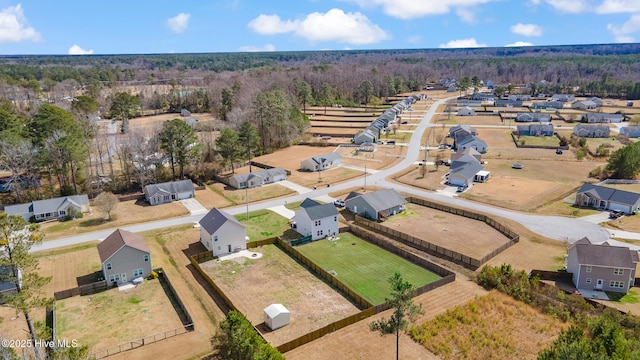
(20, 160)
(107, 203)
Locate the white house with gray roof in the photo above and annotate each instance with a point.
(321, 162)
(56, 208)
(465, 170)
(630, 131)
(606, 198)
(169, 191)
(221, 233)
(592, 131)
(257, 178)
(601, 266)
(375, 205)
(316, 220)
(602, 118)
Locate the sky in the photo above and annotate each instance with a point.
(81, 27)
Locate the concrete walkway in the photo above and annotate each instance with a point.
(282, 211)
(295, 187)
(194, 207)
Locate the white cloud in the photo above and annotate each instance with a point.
(519, 43)
(14, 26)
(527, 29)
(77, 50)
(621, 33)
(411, 9)
(414, 39)
(618, 6)
(334, 25)
(566, 6)
(462, 43)
(179, 23)
(250, 48)
(466, 15)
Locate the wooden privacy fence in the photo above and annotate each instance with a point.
(81, 290)
(147, 340)
(182, 311)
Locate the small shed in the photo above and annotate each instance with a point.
(276, 316)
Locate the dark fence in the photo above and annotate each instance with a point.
(301, 241)
(128, 197)
(81, 290)
(134, 344)
(551, 275)
(182, 311)
(518, 145)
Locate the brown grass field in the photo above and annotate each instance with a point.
(237, 196)
(494, 326)
(112, 317)
(127, 213)
(253, 284)
(448, 230)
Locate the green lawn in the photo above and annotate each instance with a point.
(263, 224)
(364, 268)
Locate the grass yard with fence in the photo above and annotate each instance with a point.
(364, 267)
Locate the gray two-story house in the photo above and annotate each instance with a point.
(601, 266)
(124, 257)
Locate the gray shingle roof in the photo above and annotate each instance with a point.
(308, 203)
(383, 199)
(321, 211)
(215, 219)
(606, 255)
(118, 239)
(320, 159)
(260, 174)
(172, 187)
(611, 194)
(46, 206)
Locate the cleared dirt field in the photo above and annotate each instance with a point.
(237, 196)
(127, 212)
(538, 183)
(431, 181)
(111, 317)
(210, 199)
(157, 120)
(466, 236)
(253, 284)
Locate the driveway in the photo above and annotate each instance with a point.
(598, 218)
(295, 187)
(194, 206)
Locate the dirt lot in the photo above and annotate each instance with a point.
(237, 196)
(157, 120)
(112, 317)
(253, 284)
(448, 230)
(127, 213)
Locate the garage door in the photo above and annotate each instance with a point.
(456, 182)
(184, 195)
(619, 207)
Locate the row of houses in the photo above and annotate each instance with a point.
(371, 133)
(464, 137)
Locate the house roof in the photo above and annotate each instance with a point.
(466, 169)
(596, 117)
(308, 203)
(320, 211)
(260, 174)
(383, 199)
(215, 218)
(469, 140)
(468, 151)
(320, 159)
(605, 255)
(172, 187)
(591, 128)
(117, 240)
(48, 205)
(611, 194)
(352, 195)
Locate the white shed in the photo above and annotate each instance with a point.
(276, 316)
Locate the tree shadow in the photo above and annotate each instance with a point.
(93, 222)
(89, 278)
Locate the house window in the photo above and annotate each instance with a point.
(335, 218)
(218, 248)
(108, 266)
(62, 212)
(319, 233)
(588, 280)
(114, 278)
(215, 238)
(616, 284)
(146, 258)
(588, 268)
(618, 271)
(317, 222)
(137, 272)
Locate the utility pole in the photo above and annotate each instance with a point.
(246, 198)
(365, 178)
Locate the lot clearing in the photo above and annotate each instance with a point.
(256, 194)
(361, 265)
(253, 284)
(469, 237)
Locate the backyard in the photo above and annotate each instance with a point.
(363, 267)
(263, 224)
(254, 283)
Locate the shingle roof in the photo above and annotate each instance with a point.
(260, 174)
(117, 240)
(172, 187)
(320, 159)
(215, 219)
(308, 203)
(352, 195)
(383, 199)
(46, 206)
(321, 211)
(606, 255)
(611, 194)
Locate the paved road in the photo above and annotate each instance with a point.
(555, 227)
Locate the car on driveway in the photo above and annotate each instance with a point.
(615, 214)
(339, 203)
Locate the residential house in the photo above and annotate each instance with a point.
(468, 102)
(124, 257)
(462, 143)
(221, 233)
(606, 198)
(56, 208)
(533, 117)
(191, 122)
(375, 205)
(466, 111)
(257, 178)
(535, 130)
(365, 136)
(465, 170)
(596, 100)
(169, 191)
(469, 151)
(592, 131)
(508, 103)
(519, 97)
(321, 162)
(7, 281)
(549, 105)
(584, 105)
(630, 131)
(185, 113)
(461, 130)
(316, 220)
(484, 97)
(601, 118)
(563, 97)
(601, 266)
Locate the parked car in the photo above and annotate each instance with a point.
(404, 122)
(615, 214)
(461, 188)
(339, 203)
(558, 151)
(391, 142)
